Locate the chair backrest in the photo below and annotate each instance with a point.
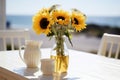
(110, 45)
(13, 38)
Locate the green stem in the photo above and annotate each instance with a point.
(60, 45)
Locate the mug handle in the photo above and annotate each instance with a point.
(21, 54)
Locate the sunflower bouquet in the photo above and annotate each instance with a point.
(58, 23)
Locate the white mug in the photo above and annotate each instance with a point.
(32, 53)
(47, 66)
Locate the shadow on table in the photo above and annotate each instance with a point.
(35, 74)
(75, 78)
(27, 71)
(57, 77)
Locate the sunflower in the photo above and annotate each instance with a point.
(61, 17)
(78, 21)
(42, 22)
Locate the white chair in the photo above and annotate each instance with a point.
(110, 45)
(13, 38)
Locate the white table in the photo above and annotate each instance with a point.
(82, 66)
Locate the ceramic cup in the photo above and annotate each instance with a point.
(47, 66)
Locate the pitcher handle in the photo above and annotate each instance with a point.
(21, 54)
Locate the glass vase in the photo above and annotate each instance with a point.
(60, 54)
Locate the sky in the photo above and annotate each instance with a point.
(89, 7)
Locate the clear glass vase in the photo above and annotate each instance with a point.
(60, 53)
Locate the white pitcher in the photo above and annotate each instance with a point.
(32, 53)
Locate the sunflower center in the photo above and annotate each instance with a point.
(44, 23)
(60, 17)
(76, 21)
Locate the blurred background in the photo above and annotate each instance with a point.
(103, 16)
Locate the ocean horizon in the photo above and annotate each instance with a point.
(25, 21)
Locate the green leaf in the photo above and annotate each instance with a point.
(69, 37)
(70, 41)
(53, 7)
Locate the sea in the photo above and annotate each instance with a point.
(25, 21)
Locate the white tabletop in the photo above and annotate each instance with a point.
(82, 66)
